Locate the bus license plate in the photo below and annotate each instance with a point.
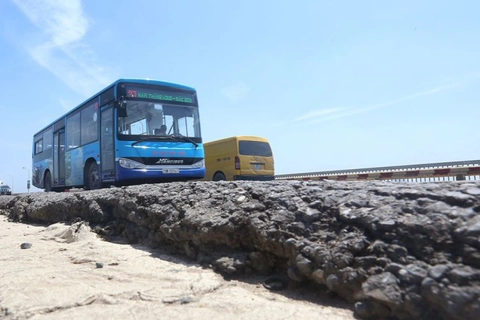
(171, 171)
(257, 166)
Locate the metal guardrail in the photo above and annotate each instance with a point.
(440, 171)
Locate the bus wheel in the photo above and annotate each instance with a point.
(47, 182)
(92, 180)
(219, 177)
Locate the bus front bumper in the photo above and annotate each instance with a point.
(143, 175)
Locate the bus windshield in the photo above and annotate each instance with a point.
(144, 118)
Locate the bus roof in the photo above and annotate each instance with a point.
(141, 81)
(152, 81)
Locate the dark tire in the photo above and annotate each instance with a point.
(92, 179)
(47, 182)
(219, 176)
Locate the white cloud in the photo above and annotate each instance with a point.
(63, 21)
(236, 92)
(319, 114)
(336, 113)
(64, 25)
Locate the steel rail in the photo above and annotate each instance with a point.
(457, 169)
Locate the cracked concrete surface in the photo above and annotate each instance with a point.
(58, 278)
(398, 250)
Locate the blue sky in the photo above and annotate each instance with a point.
(332, 85)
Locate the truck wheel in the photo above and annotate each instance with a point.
(219, 177)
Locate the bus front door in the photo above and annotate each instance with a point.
(59, 158)
(107, 146)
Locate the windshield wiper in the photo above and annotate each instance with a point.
(151, 139)
(185, 138)
(169, 137)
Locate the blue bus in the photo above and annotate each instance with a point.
(131, 132)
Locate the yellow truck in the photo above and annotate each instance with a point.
(239, 158)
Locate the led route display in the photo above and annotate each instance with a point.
(160, 95)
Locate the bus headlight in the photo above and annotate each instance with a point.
(130, 164)
(199, 164)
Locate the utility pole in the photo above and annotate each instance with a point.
(28, 179)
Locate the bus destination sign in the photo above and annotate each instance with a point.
(160, 95)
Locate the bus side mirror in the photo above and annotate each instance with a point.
(122, 108)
